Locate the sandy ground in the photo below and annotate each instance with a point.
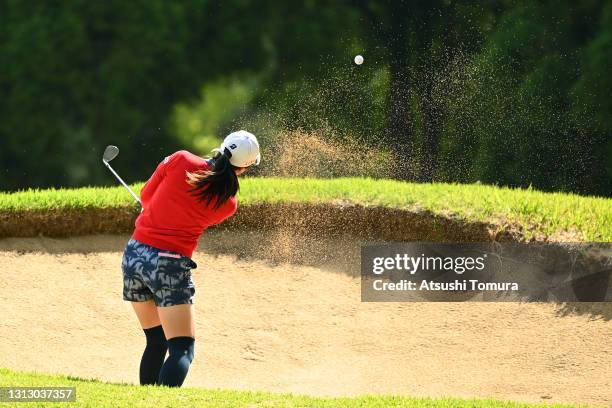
(278, 314)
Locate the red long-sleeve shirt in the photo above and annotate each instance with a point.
(172, 218)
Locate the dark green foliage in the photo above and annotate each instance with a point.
(514, 93)
(525, 109)
(79, 75)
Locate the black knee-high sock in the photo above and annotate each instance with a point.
(153, 356)
(174, 370)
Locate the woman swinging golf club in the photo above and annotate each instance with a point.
(185, 195)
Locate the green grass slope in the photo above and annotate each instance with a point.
(91, 393)
(547, 213)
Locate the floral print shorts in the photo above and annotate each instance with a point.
(153, 273)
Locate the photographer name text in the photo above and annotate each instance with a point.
(457, 285)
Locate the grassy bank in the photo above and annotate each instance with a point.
(91, 393)
(589, 218)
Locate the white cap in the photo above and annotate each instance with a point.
(243, 147)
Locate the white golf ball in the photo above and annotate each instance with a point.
(358, 60)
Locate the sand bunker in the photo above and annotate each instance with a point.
(277, 315)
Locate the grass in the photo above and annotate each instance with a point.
(92, 393)
(537, 211)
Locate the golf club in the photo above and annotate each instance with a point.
(109, 154)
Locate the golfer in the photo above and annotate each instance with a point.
(185, 195)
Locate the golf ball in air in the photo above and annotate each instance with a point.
(358, 59)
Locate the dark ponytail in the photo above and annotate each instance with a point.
(217, 184)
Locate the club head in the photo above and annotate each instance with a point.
(110, 153)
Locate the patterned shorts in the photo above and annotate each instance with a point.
(152, 273)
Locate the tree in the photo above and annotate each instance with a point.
(418, 40)
(592, 105)
(79, 75)
(517, 107)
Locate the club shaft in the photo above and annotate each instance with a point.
(122, 182)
